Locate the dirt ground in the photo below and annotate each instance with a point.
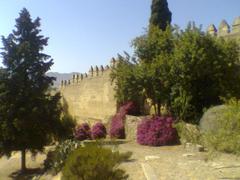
(9, 168)
(163, 163)
(178, 163)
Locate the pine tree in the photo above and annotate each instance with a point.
(161, 16)
(29, 114)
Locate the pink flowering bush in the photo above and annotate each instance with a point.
(82, 132)
(157, 131)
(98, 131)
(117, 124)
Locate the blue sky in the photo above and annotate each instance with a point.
(90, 32)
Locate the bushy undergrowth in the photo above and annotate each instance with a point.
(117, 129)
(98, 131)
(226, 137)
(156, 131)
(82, 132)
(66, 127)
(56, 159)
(94, 162)
(188, 133)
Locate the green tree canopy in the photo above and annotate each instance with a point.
(29, 114)
(126, 79)
(187, 71)
(161, 16)
(203, 69)
(154, 53)
(144, 76)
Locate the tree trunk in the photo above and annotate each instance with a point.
(23, 160)
(155, 109)
(159, 108)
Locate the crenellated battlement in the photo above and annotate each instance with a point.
(92, 73)
(225, 30)
(91, 95)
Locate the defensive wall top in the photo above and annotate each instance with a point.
(224, 28)
(93, 72)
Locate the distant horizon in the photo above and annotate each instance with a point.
(85, 33)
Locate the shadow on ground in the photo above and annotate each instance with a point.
(28, 174)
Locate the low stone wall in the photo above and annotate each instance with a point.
(131, 123)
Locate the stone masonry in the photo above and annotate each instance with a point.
(91, 96)
(225, 31)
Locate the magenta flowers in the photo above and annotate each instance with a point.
(156, 131)
(98, 131)
(117, 124)
(82, 132)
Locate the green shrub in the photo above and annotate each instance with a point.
(188, 133)
(66, 127)
(56, 159)
(226, 137)
(94, 162)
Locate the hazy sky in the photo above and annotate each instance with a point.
(89, 32)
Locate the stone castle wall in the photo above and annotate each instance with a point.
(90, 96)
(225, 30)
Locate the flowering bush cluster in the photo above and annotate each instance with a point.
(98, 131)
(156, 131)
(117, 124)
(82, 132)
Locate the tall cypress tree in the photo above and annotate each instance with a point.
(28, 112)
(161, 16)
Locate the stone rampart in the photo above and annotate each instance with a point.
(90, 96)
(225, 30)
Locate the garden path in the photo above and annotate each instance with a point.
(150, 163)
(178, 163)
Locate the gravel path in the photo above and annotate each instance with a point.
(161, 163)
(176, 163)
